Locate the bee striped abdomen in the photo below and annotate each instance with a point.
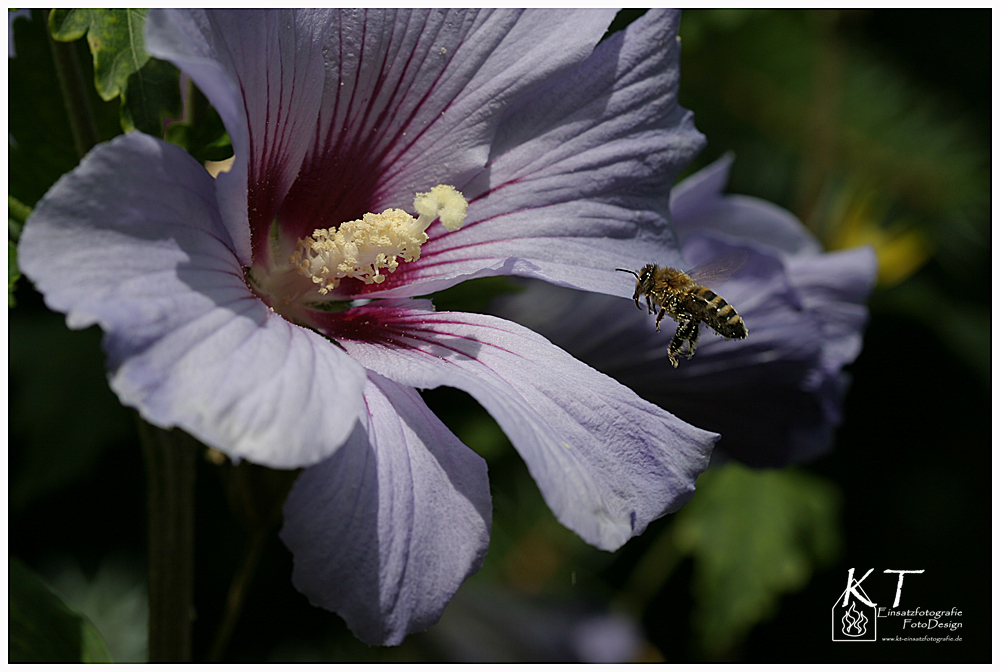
(719, 315)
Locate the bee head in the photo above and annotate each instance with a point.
(639, 281)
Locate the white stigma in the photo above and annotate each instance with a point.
(367, 247)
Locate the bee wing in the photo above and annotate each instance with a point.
(717, 271)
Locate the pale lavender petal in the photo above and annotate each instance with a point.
(607, 462)
(132, 240)
(386, 530)
(835, 287)
(263, 71)
(700, 191)
(698, 204)
(578, 178)
(413, 97)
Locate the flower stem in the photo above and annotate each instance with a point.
(237, 593)
(256, 495)
(76, 96)
(170, 473)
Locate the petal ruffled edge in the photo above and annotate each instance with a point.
(699, 204)
(386, 530)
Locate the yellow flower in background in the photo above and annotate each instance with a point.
(863, 219)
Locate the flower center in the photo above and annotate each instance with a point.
(364, 248)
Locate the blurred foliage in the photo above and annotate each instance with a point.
(44, 630)
(113, 599)
(960, 322)
(755, 535)
(842, 123)
(476, 294)
(62, 413)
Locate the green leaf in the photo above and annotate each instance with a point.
(13, 273)
(17, 214)
(148, 87)
(150, 95)
(754, 535)
(42, 629)
(115, 39)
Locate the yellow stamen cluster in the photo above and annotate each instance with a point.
(366, 247)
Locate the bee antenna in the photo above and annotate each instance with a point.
(627, 270)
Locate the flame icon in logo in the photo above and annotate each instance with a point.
(854, 622)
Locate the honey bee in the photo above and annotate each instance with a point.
(682, 296)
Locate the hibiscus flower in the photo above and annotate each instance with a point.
(269, 312)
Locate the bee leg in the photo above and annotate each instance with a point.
(676, 345)
(649, 306)
(659, 318)
(693, 337)
(687, 333)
